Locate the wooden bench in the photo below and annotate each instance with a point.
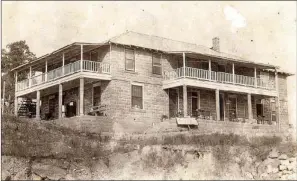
(98, 110)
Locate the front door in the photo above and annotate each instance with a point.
(222, 107)
(96, 96)
(232, 108)
(173, 103)
(195, 104)
(71, 109)
(259, 108)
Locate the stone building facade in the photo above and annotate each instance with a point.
(117, 92)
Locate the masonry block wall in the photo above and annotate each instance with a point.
(118, 90)
(283, 100)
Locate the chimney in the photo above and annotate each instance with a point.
(216, 44)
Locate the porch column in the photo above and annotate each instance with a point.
(38, 105)
(218, 104)
(60, 99)
(63, 63)
(30, 75)
(209, 69)
(277, 101)
(15, 81)
(184, 63)
(81, 96)
(185, 100)
(16, 106)
(81, 57)
(250, 112)
(233, 73)
(255, 76)
(15, 90)
(45, 74)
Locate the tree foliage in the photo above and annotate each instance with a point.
(14, 55)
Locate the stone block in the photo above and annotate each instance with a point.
(283, 157)
(282, 167)
(273, 154)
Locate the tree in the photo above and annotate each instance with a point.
(15, 54)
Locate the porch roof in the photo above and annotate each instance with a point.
(68, 50)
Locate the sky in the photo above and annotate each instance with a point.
(260, 31)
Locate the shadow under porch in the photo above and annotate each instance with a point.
(208, 104)
(69, 99)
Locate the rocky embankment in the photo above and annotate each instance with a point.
(278, 166)
(45, 151)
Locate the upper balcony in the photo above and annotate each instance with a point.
(85, 68)
(218, 80)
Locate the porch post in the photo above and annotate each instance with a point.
(15, 81)
(255, 76)
(16, 106)
(250, 113)
(81, 96)
(30, 75)
(81, 57)
(277, 101)
(184, 64)
(60, 99)
(218, 104)
(209, 69)
(45, 75)
(63, 63)
(185, 100)
(15, 90)
(233, 73)
(38, 105)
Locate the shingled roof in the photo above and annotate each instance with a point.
(170, 46)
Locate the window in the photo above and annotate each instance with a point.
(157, 67)
(130, 59)
(273, 110)
(137, 96)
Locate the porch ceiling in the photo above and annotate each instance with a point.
(223, 60)
(55, 88)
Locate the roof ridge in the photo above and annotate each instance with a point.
(182, 42)
(167, 39)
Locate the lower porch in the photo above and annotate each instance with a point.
(215, 105)
(69, 99)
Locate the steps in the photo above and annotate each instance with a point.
(27, 108)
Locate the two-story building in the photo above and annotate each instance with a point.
(142, 78)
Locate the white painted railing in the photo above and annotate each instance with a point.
(244, 80)
(197, 73)
(24, 84)
(72, 68)
(96, 66)
(37, 79)
(224, 77)
(265, 84)
(218, 77)
(89, 66)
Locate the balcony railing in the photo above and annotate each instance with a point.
(221, 77)
(87, 66)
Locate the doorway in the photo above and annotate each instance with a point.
(173, 103)
(52, 104)
(222, 107)
(259, 108)
(96, 96)
(71, 109)
(195, 103)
